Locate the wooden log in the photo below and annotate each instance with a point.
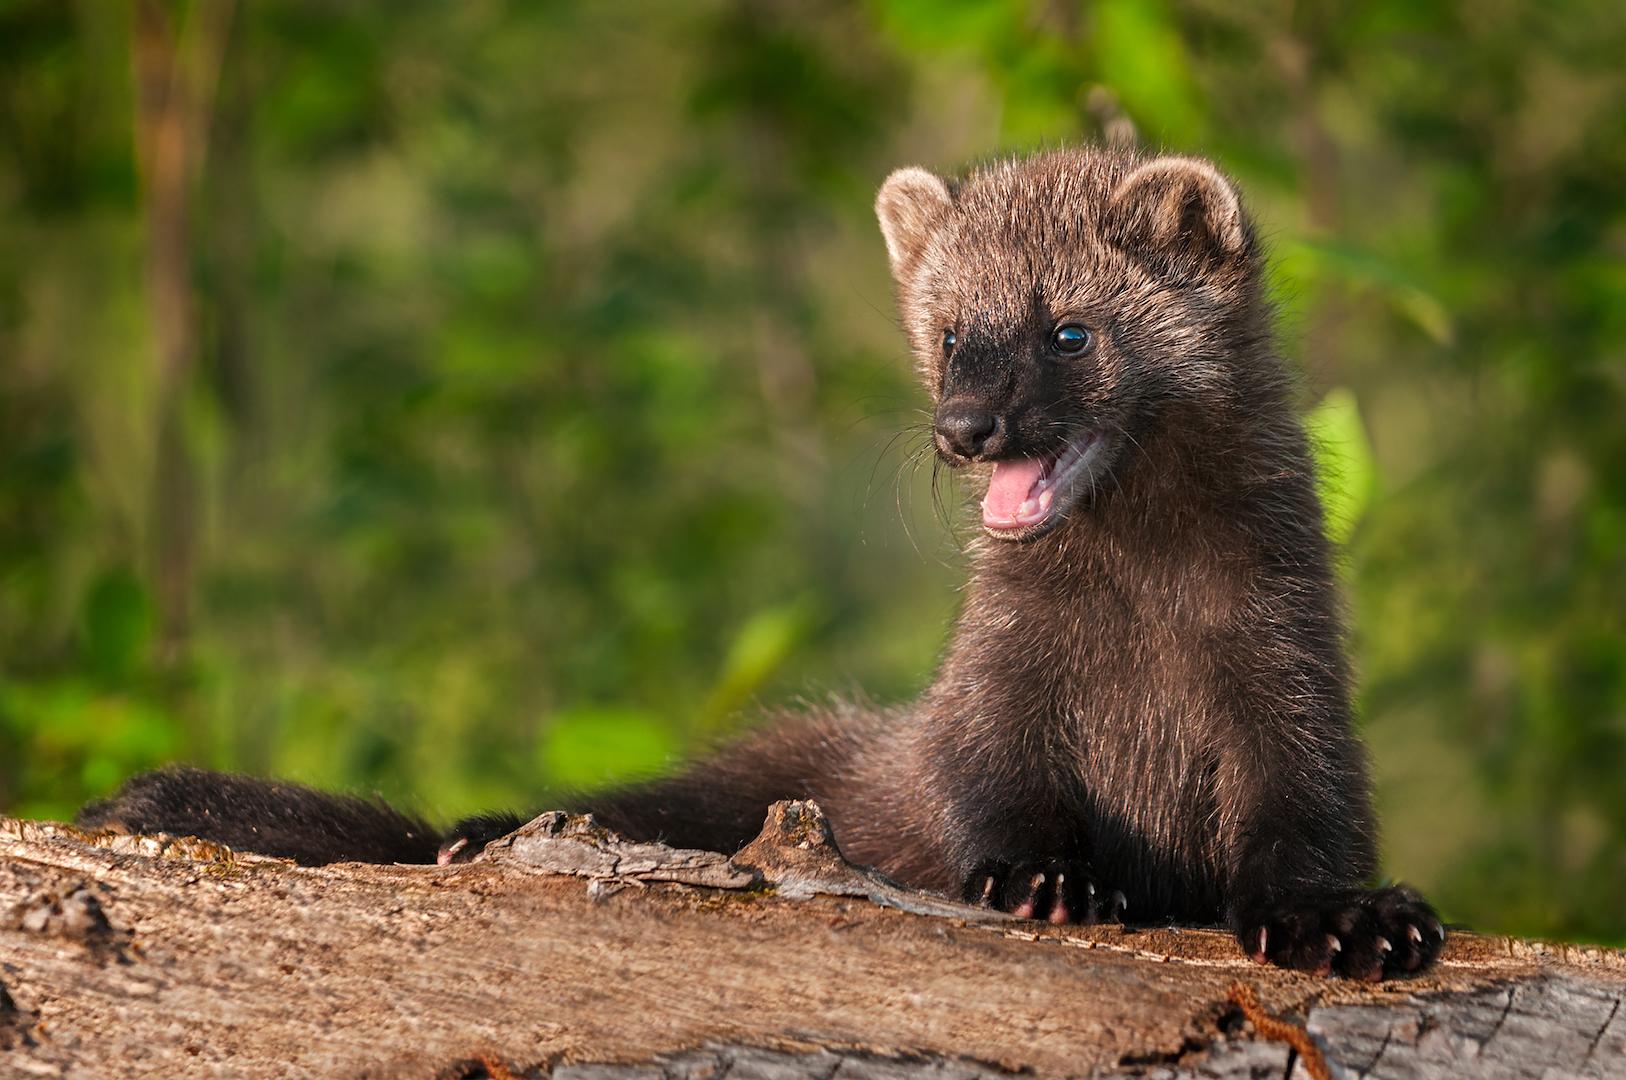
(565, 950)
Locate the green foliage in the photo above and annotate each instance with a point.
(587, 747)
(1140, 54)
(763, 645)
(543, 376)
(1346, 472)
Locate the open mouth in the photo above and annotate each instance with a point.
(1027, 497)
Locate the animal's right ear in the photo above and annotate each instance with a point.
(911, 206)
(1181, 211)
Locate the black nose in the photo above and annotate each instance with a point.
(965, 426)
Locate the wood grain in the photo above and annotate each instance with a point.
(564, 950)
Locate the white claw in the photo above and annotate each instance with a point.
(1120, 902)
(1415, 934)
(1264, 936)
(1334, 944)
(1384, 946)
(1439, 931)
(449, 852)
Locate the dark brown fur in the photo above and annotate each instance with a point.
(1144, 701)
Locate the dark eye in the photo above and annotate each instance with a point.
(1071, 339)
(949, 340)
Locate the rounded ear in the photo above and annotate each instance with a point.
(1180, 208)
(911, 206)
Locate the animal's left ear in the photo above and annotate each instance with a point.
(1180, 210)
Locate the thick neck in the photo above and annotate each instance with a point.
(1168, 490)
(1195, 510)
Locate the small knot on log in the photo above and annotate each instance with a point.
(76, 915)
(16, 1026)
(797, 848)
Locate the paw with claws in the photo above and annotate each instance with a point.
(1053, 890)
(1365, 934)
(470, 836)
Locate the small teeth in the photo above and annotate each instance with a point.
(1046, 497)
(1028, 506)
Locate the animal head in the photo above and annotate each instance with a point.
(1060, 306)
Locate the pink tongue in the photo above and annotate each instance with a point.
(1011, 486)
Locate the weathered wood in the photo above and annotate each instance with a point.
(563, 949)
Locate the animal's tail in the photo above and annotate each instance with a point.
(717, 803)
(267, 816)
(714, 809)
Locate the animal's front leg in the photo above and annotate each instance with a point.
(1019, 841)
(1300, 847)
(1058, 890)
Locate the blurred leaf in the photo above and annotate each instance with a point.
(1143, 60)
(1317, 260)
(1345, 469)
(932, 24)
(589, 746)
(116, 625)
(80, 742)
(760, 647)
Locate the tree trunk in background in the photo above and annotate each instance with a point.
(175, 79)
(565, 951)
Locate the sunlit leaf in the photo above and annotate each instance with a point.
(1143, 60)
(589, 746)
(760, 647)
(1345, 469)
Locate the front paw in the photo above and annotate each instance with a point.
(470, 836)
(1053, 890)
(1356, 933)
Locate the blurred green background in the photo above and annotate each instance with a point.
(462, 400)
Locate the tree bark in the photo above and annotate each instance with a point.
(564, 950)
